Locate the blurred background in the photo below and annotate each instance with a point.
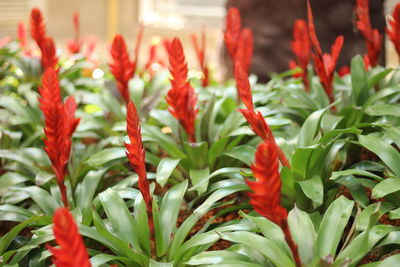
(102, 19)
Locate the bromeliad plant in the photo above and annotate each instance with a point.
(323, 148)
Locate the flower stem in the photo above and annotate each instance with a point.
(292, 245)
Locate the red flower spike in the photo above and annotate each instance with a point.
(325, 64)
(60, 123)
(243, 85)
(38, 28)
(74, 45)
(181, 97)
(244, 50)
(232, 31)
(121, 67)
(260, 127)
(21, 35)
(373, 39)
(393, 29)
(49, 58)
(266, 195)
(72, 251)
(200, 52)
(135, 152)
(301, 48)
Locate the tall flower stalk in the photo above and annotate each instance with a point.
(266, 195)
(60, 124)
(136, 155)
(45, 43)
(324, 63)
(121, 66)
(200, 48)
(301, 48)
(373, 39)
(181, 97)
(72, 250)
(256, 120)
(238, 40)
(393, 29)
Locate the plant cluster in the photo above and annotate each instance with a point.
(156, 165)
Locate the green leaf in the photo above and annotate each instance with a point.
(370, 215)
(85, 192)
(363, 243)
(313, 189)
(42, 198)
(388, 262)
(332, 226)
(106, 156)
(268, 248)
(120, 218)
(142, 223)
(165, 169)
(7, 238)
(310, 128)
(378, 77)
(359, 81)
(358, 172)
(383, 109)
(169, 211)
(270, 231)
(199, 212)
(383, 150)
(300, 162)
(154, 263)
(244, 153)
(387, 186)
(303, 233)
(200, 179)
(217, 257)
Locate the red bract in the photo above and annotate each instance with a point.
(244, 50)
(200, 49)
(232, 31)
(266, 195)
(74, 45)
(301, 48)
(324, 64)
(38, 28)
(181, 97)
(60, 123)
(121, 67)
(243, 85)
(72, 251)
(260, 127)
(238, 41)
(49, 58)
(373, 39)
(393, 31)
(135, 152)
(21, 35)
(257, 122)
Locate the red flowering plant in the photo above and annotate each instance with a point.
(373, 39)
(148, 182)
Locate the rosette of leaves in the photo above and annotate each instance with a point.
(338, 237)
